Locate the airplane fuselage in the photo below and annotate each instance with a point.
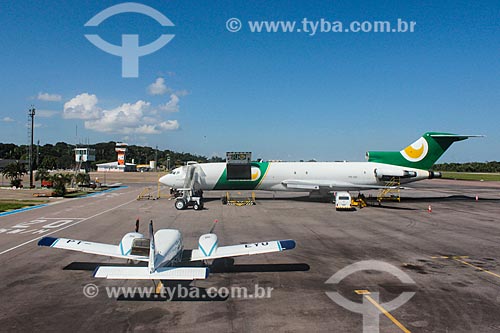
(289, 176)
(168, 243)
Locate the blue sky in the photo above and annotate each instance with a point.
(290, 96)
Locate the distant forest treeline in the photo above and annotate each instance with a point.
(62, 156)
(469, 167)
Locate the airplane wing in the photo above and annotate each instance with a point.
(315, 185)
(142, 273)
(242, 249)
(88, 247)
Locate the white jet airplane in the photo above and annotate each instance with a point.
(411, 164)
(163, 252)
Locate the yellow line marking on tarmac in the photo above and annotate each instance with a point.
(366, 294)
(460, 260)
(477, 267)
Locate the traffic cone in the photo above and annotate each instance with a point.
(429, 209)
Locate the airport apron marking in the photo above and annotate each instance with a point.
(15, 211)
(366, 294)
(461, 260)
(67, 226)
(37, 226)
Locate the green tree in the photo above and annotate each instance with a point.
(59, 181)
(14, 172)
(49, 162)
(82, 179)
(42, 174)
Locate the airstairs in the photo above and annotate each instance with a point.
(392, 192)
(191, 193)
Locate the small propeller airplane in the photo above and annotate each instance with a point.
(163, 252)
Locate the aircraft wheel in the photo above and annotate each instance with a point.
(180, 204)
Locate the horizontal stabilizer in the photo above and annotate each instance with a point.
(458, 137)
(244, 249)
(142, 273)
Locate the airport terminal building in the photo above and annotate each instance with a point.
(116, 167)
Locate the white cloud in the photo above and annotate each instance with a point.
(172, 105)
(7, 120)
(127, 119)
(158, 87)
(123, 119)
(49, 97)
(181, 93)
(82, 106)
(169, 125)
(46, 113)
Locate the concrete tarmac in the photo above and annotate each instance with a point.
(451, 256)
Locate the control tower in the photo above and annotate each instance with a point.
(121, 150)
(83, 157)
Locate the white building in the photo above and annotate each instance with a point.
(116, 167)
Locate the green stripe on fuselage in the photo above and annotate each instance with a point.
(224, 184)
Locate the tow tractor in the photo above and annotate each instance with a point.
(189, 198)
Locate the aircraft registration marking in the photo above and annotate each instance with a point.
(262, 244)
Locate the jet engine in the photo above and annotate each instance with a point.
(389, 173)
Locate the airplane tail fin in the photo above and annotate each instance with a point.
(422, 154)
(152, 253)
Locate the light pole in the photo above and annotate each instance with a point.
(31, 113)
(156, 159)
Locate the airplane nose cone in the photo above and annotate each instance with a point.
(164, 180)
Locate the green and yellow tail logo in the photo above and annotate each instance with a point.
(422, 154)
(417, 151)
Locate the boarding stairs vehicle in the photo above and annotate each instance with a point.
(190, 194)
